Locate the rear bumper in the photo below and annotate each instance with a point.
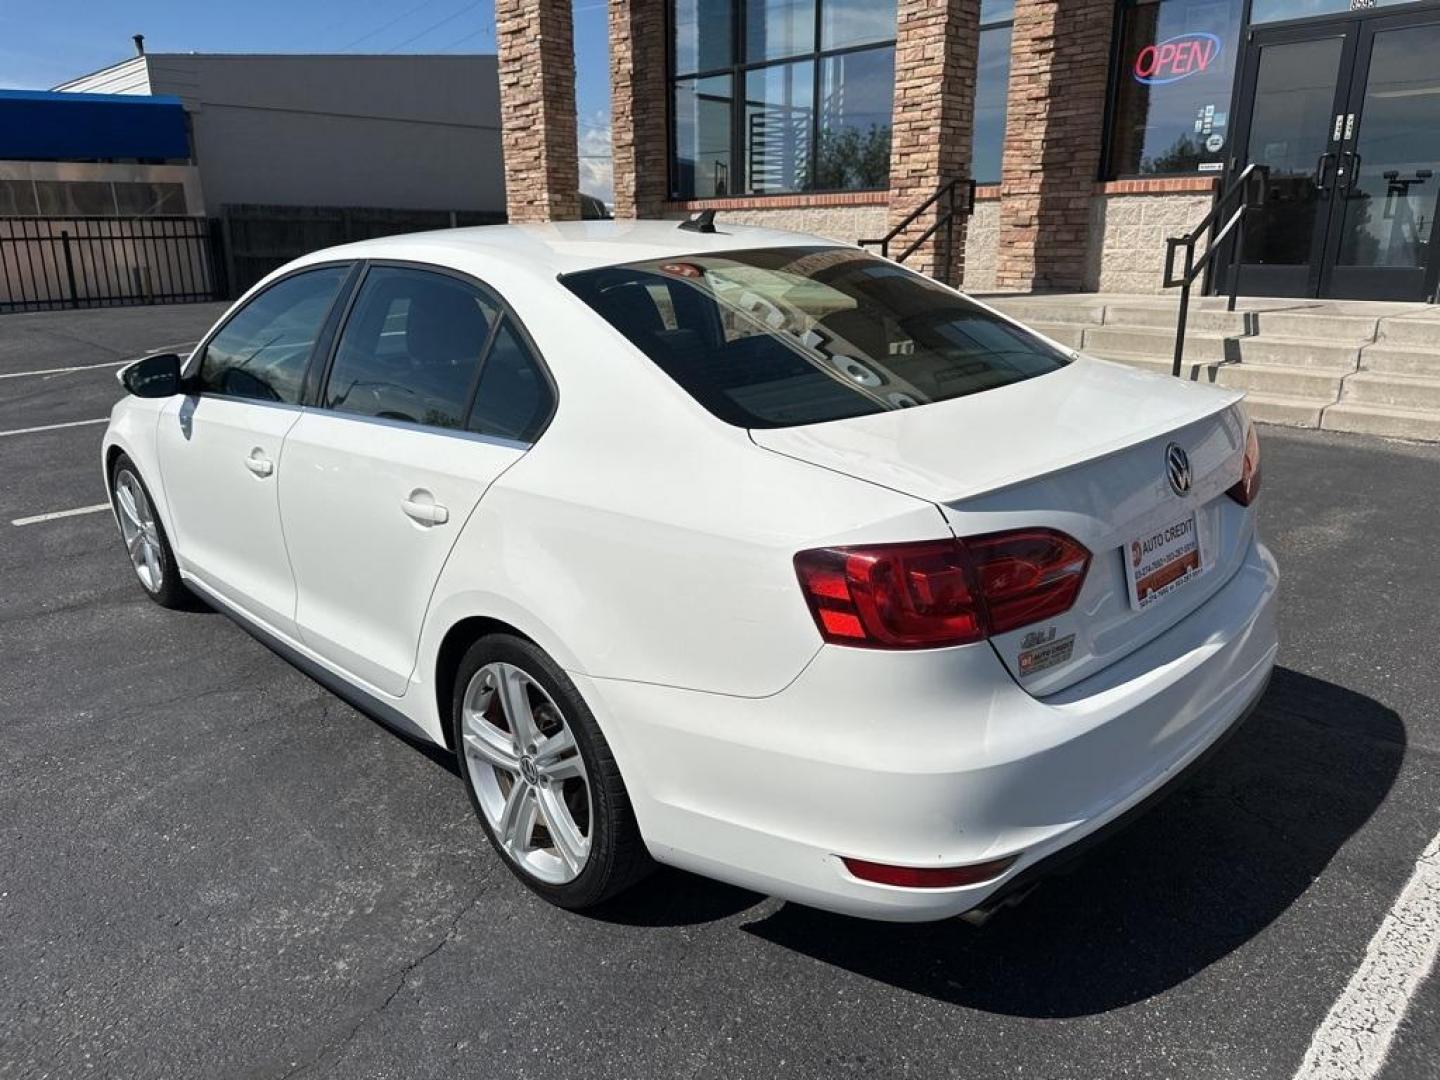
(929, 759)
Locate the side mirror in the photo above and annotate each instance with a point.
(153, 376)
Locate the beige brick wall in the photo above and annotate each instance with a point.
(982, 243)
(535, 42)
(1059, 71)
(638, 96)
(933, 112)
(1127, 238)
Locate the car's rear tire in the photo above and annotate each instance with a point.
(541, 777)
(148, 547)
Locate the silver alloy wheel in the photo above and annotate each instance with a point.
(527, 773)
(137, 526)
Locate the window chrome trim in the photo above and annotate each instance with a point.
(418, 428)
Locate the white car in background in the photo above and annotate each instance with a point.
(736, 550)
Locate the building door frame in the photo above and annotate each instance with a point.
(1334, 171)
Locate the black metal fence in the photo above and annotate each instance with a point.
(72, 262)
(257, 239)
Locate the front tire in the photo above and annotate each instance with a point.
(145, 541)
(541, 777)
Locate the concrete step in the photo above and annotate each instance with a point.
(1412, 331)
(1267, 348)
(1320, 388)
(1287, 411)
(1163, 317)
(1306, 326)
(1037, 309)
(1417, 392)
(1071, 335)
(1397, 361)
(1206, 347)
(1385, 420)
(1155, 343)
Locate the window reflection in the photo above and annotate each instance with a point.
(778, 113)
(853, 152)
(702, 136)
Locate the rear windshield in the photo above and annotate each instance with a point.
(775, 337)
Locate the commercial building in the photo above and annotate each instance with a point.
(1093, 129)
(399, 132)
(189, 176)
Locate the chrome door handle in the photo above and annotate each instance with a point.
(421, 506)
(259, 464)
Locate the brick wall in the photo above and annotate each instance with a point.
(638, 93)
(1059, 62)
(982, 239)
(537, 107)
(934, 106)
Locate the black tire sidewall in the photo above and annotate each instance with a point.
(610, 814)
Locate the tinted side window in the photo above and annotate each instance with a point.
(411, 348)
(262, 351)
(514, 398)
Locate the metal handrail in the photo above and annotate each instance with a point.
(946, 220)
(1251, 186)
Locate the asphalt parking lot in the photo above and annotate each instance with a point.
(211, 867)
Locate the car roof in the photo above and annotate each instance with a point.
(565, 247)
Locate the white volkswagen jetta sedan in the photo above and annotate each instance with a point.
(737, 550)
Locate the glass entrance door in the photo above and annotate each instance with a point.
(1381, 244)
(1347, 117)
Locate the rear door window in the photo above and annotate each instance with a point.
(787, 336)
(411, 348)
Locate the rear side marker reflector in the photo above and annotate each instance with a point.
(928, 877)
(937, 593)
(1244, 490)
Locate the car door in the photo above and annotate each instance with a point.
(433, 391)
(219, 444)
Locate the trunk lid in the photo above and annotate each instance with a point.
(1082, 450)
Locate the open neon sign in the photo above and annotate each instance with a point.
(1176, 58)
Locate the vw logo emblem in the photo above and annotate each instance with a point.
(1177, 468)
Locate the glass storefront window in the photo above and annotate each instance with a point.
(779, 115)
(1265, 11)
(856, 91)
(1172, 87)
(702, 35)
(785, 112)
(703, 108)
(844, 23)
(779, 28)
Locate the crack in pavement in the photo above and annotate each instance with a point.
(336, 1047)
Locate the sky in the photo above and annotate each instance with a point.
(44, 42)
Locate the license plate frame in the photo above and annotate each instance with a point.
(1164, 560)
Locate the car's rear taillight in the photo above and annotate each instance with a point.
(935, 593)
(1244, 490)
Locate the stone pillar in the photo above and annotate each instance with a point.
(638, 94)
(537, 109)
(933, 114)
(1054, 121)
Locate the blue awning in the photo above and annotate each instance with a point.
(47, 125)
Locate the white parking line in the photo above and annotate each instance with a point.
(38, 518)
(64, 370)
(1353, 1040)
(53, 427)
